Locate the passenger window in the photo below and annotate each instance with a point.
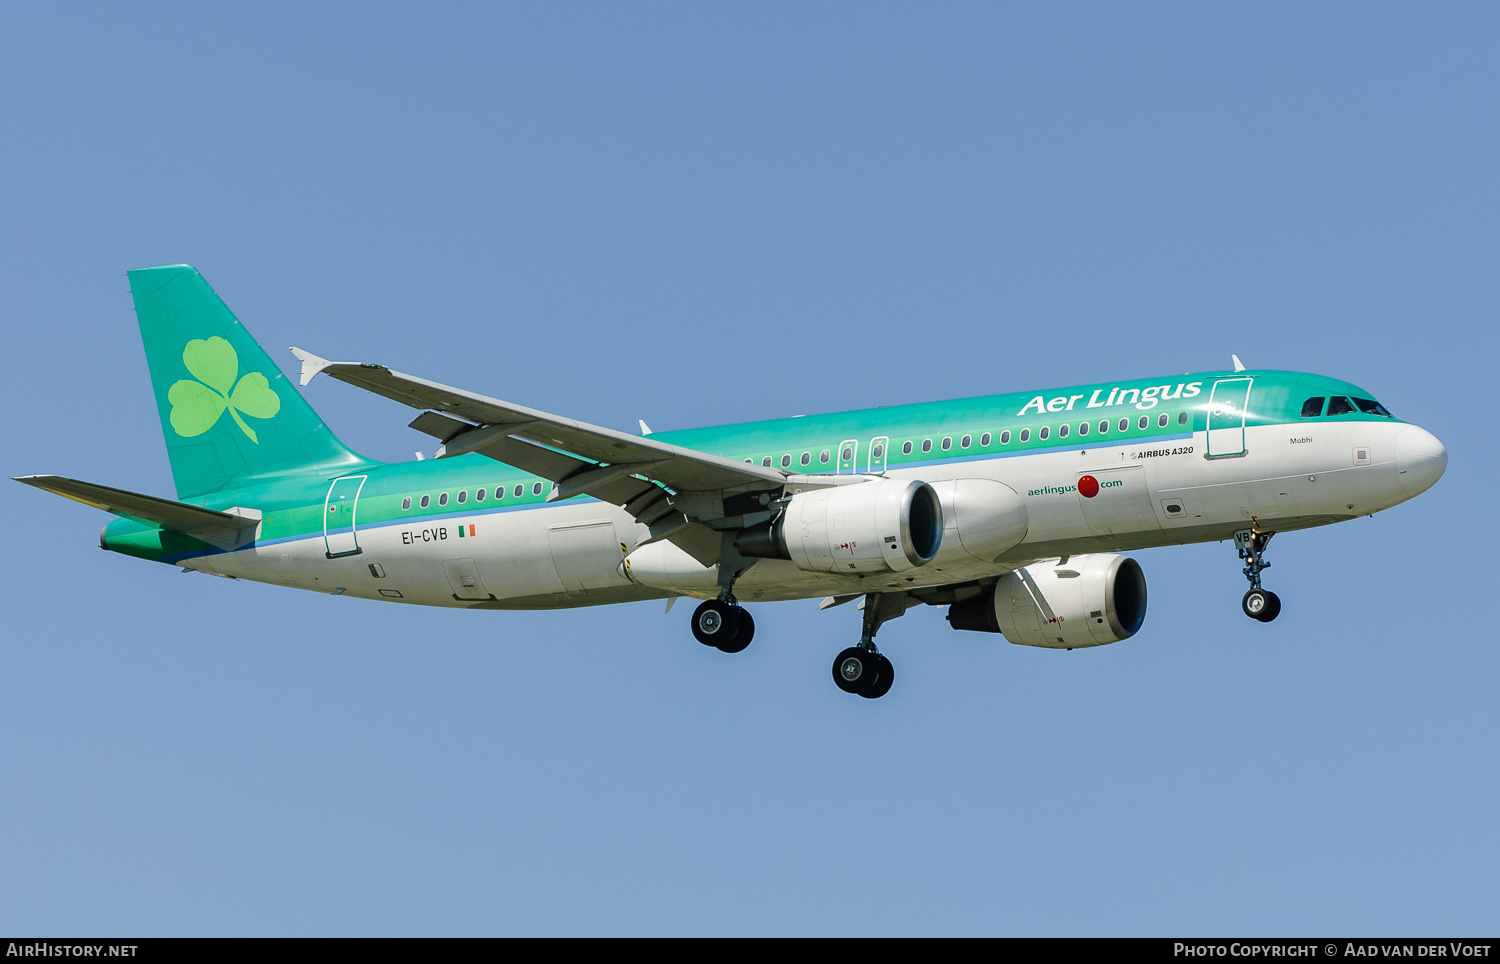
(1104, 426)
(807, 458)
(1339, 405)
(786, 460)
(1083, 428)
(499, 492)
(905, 448)
(1313, 407)
(947, 443)
(426, 501)
(406, 503)
(463, 497)
(984, 440)
(478, 495)
(1005, 437)
(1371, 407)
(1182, 418)
(1144, 421)
(927, 445)
(824, 457)
(1025, 434)
(443, 498)
(1042, 433)
(536, 488)
(766, 461)
(519, 491)
(1161, 420)
(964, 442)
(878, 452)
(1124, 424)
(1062, 430)
(846, 454)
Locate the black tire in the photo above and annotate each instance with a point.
(744, 631)
(714, 624)
(1261, 604)
(1273, 608)
(853, 668)
(885, 676)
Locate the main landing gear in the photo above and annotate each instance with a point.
(723, 624)
(862, 669)
(1261, 604)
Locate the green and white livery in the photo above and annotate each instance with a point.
(1012, 510)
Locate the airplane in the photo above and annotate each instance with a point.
(1011, 510)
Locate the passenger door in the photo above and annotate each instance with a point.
(340, 537)
(1227, 405)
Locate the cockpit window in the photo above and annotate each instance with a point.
(1313, 407)
(1339, 405)
(1371, 407)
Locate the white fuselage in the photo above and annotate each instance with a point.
(1157, 492)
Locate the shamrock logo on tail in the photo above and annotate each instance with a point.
(197, 406)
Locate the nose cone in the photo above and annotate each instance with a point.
(1420, 459)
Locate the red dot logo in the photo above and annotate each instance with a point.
(1088, 486)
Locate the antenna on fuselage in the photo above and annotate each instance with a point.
(1239, 366)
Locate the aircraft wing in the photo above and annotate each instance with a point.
(631, 471)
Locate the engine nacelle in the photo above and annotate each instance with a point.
(1089, 600)
(883, 525)
(982, 520)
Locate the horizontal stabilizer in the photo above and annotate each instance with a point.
(220, 529)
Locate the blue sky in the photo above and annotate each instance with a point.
(696, 214)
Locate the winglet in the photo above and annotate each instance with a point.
(1239, 366)
(645, 429)
(311, 364)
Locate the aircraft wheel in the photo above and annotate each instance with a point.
(715, 624)
(885, 676)
(855, 668)
(1261, 604)
(744, 631)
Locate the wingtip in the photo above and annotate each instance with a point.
(311, 365)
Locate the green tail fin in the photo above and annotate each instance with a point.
(228, 413)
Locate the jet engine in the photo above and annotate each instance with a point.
(982, 520)
(1066, 603)
(883, 525)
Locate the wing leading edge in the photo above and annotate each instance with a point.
(665, 487)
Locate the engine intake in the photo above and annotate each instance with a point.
(1090, 600)
(883, 525)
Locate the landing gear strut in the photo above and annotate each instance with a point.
(862, 669)
(1261, 604)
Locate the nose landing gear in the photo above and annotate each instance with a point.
(1261, 604)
